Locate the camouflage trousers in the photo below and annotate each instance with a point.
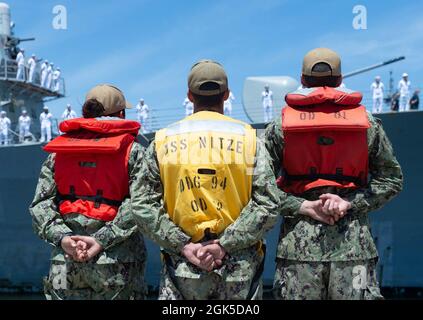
(349, 280)
(237, 279)
(90, 281)
(209, 286)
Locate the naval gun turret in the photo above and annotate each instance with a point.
(21, 91)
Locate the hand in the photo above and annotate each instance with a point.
(87, 247)
(334, 205)
(189, 251)
(214, 249)
(313, 209)
(207, 255)
(69, 246)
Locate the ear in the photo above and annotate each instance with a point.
(226, 96)
(190, 96)
(303, 82)
(340, 81)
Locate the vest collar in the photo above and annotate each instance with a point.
(319, 95)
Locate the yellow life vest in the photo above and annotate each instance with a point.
(206, 166)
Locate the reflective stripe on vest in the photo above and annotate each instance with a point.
(206, 165)
(325, 145)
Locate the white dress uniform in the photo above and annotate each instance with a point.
(377, 91)
(142, 115)
(67, 115)
(49, 76)
(31, 65)
(55, 80)
(189, 107)
(46, 122)
(227, 107)
(404, 90)
(20, 59)
(4, 130)
(267, 99)
(24, 127)
(44, 73)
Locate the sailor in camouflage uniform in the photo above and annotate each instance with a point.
(208, 216)
(315, 260)
(107, 256)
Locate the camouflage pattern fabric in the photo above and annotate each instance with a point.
(355, 280)
(91, 281)
(350, 239)
(121, 241)
(233, 281)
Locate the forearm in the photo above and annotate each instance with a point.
(289, 205)
(46, 220)
(386, 178)
(147, 206)
(118, 230)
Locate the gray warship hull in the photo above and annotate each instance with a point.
(24, 258)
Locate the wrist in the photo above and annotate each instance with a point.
(59, 243)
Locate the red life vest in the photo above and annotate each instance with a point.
(91, 166)
(325, 133)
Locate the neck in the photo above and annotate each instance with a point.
(218, 109)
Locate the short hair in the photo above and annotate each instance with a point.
(327, 81)
(207, 101)
(92, 108)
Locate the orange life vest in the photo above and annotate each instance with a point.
(91, 165)
(325, 133)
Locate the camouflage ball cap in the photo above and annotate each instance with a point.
(207, 71)
(110, 97)
(320, 55)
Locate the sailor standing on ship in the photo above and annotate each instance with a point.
(49, 75)
(227, 106)
(404, 89)
(20, 59)
(44, 73)
(55, 80)
(32, 64)
(24, 126)
(377, 88)
(142, 115)
(267, 100)
(69, 113)
(4, 128)
(189, 107)
(46, 121)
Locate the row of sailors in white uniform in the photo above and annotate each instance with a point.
(46, 121)
(49, 76)
(404, 88)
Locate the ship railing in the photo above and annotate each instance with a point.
(9, 71)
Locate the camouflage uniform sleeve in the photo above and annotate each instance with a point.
(289, 204)
(386, 179)
(123, 226)
(46, 220)
(148, 207)
(261, 213)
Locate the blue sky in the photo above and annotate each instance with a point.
(147, 47)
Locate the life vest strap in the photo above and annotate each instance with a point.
(97, 199)
(331, 177)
